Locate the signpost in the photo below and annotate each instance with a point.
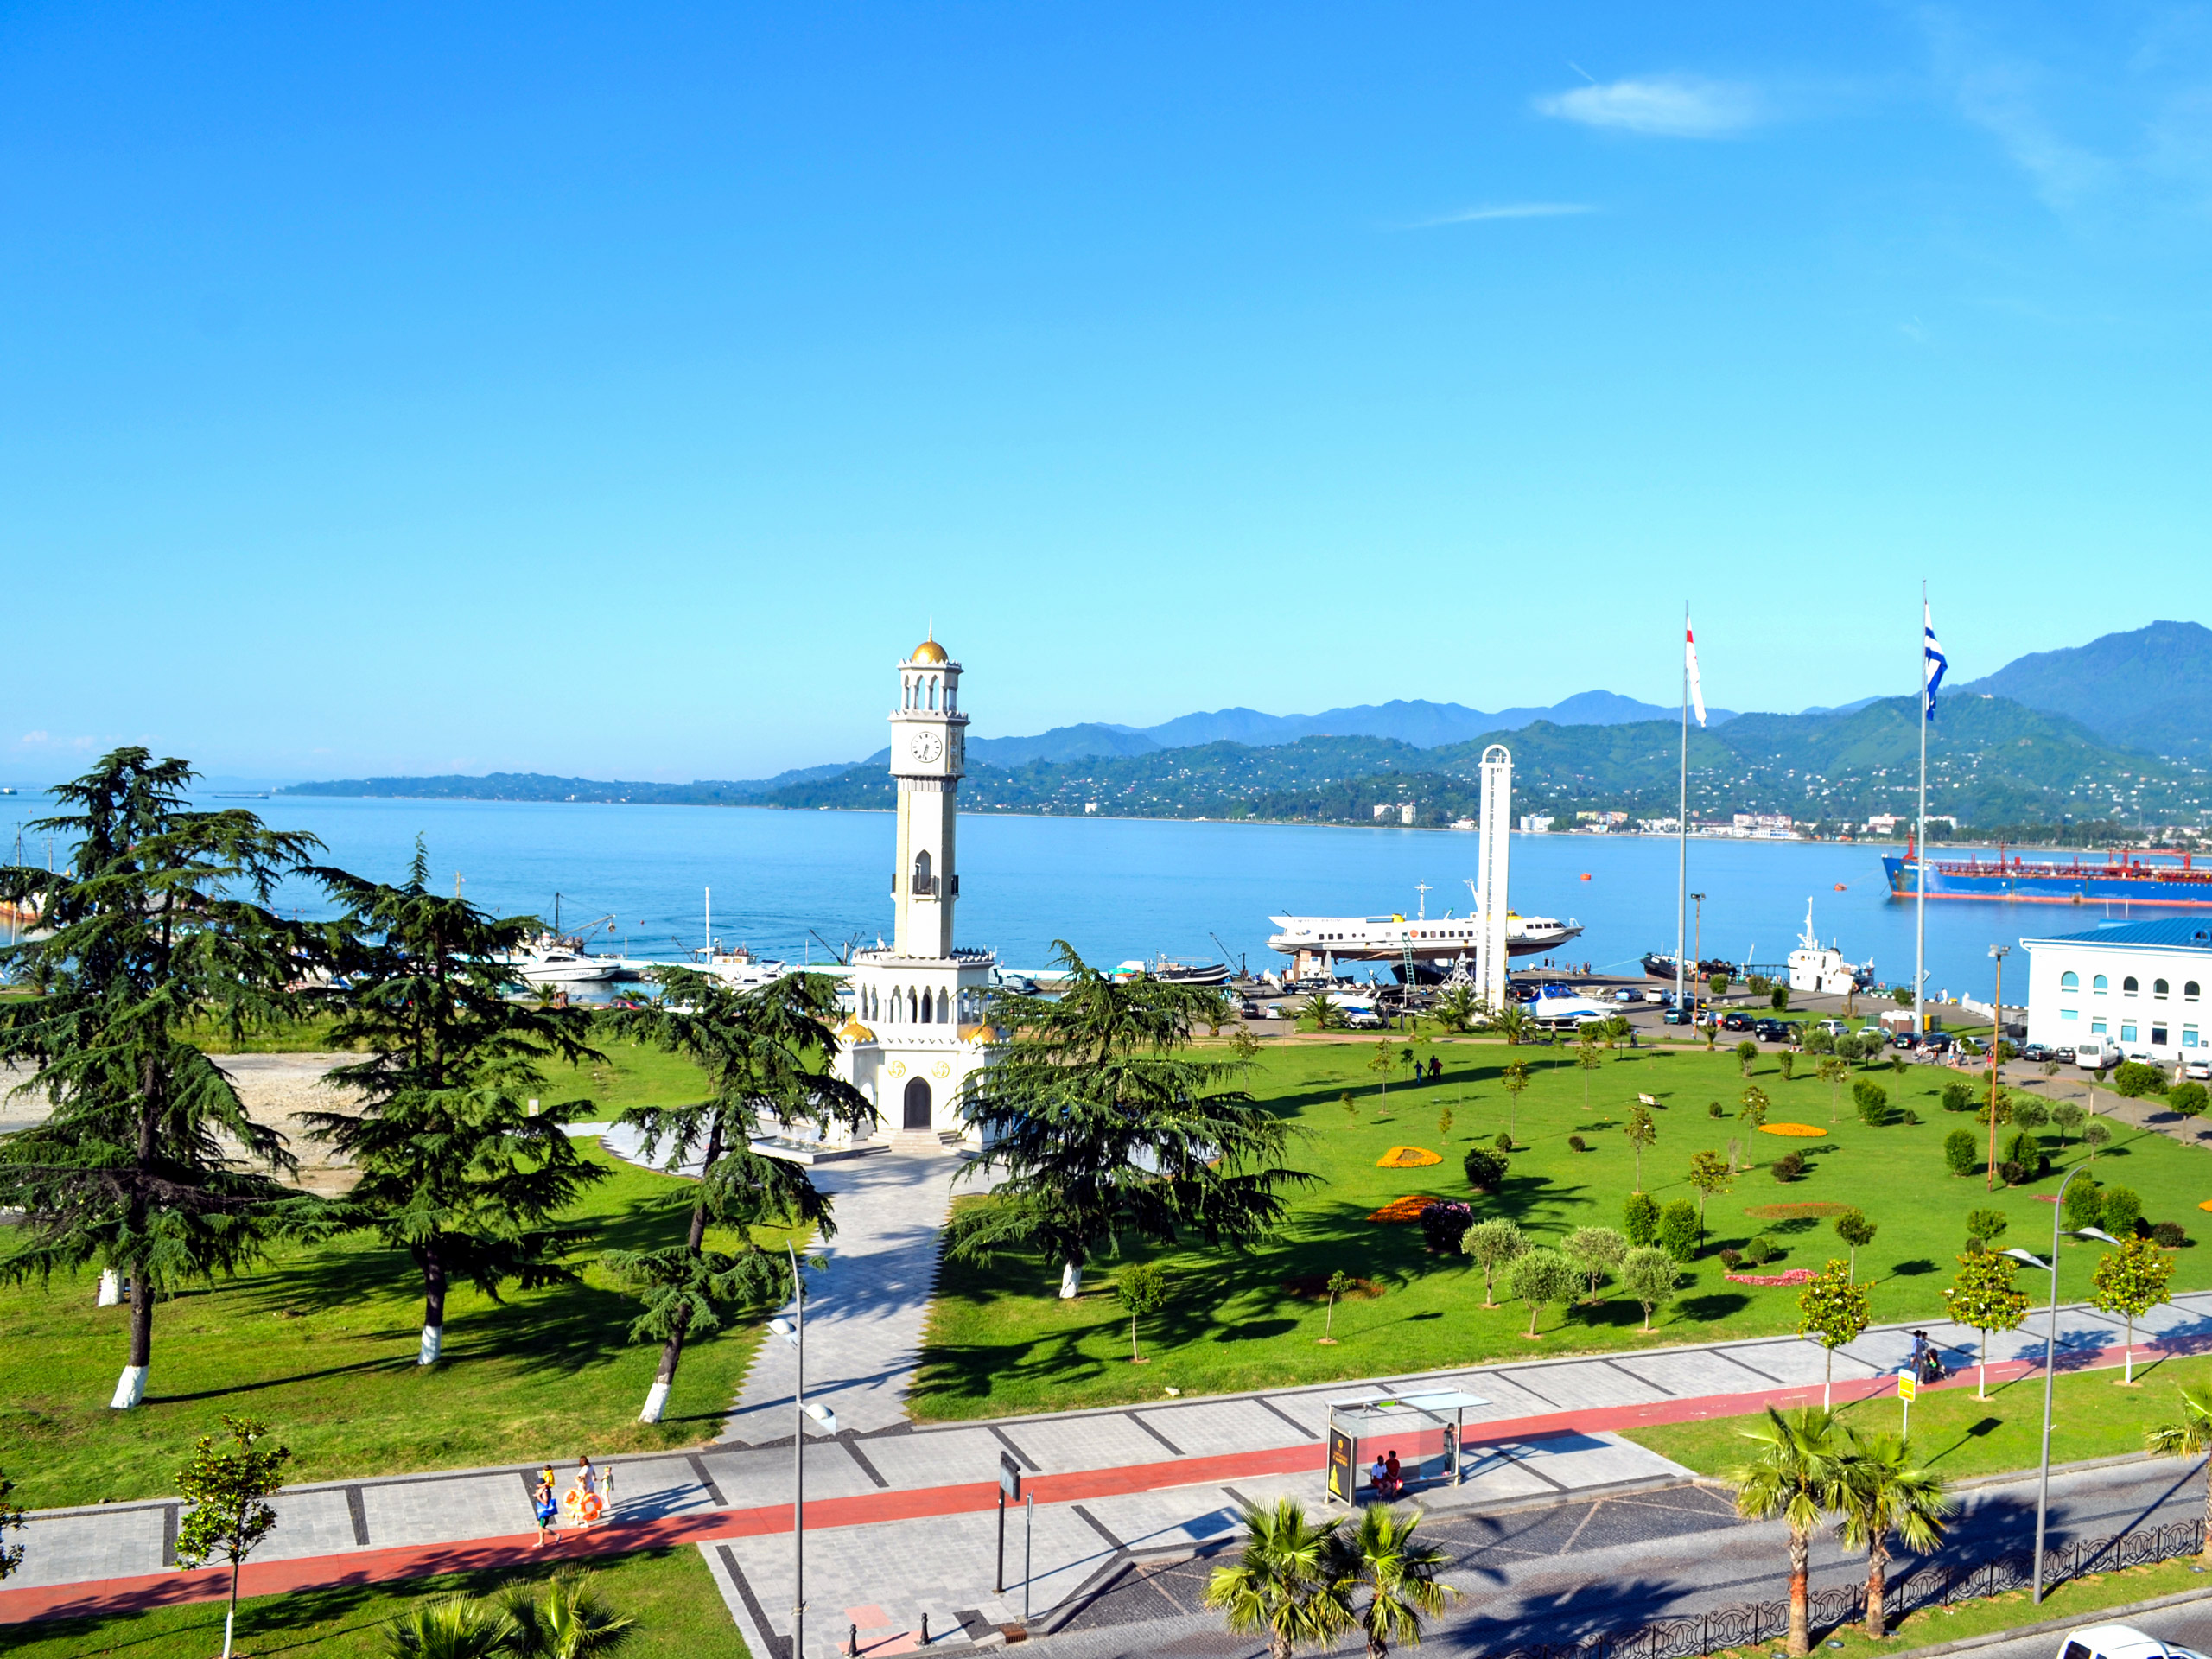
(1908, 1390)
(1009, 1487)
(1340, 1475)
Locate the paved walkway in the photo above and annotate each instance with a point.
(901, 1520)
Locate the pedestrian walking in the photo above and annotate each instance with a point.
(548, 1510)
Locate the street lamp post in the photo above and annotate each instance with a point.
(1996, 1035)
(2051, 1353)
(794, 1332)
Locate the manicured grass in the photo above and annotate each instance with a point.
(2092, 1415)
(2076, 1600)
(680, 1616)
(320, 1343)
(1001, 1341)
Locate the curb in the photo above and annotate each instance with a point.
(2050, 1626)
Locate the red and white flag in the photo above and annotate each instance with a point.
(1689, 665)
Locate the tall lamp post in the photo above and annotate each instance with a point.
(793, 1332)
(2050, 1352)
(1996, 953)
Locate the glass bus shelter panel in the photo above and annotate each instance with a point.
(1426, 1445)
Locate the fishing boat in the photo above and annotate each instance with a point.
(1822, 968)
(1662, 968)
(2171, 880)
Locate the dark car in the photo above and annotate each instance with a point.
(1676, 1017)
(1904, 1039)
(1936, 1042)
(2036, 1053)
(1736, 1022)
(1771, 1031)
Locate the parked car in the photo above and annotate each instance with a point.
(2036, 1053)
(1833, 1027)
(1937, 1042)
(2197, 1071)
(1770, 1031)
(1904, 1039)
(1677, 1017)
(1736, 1022)
(2120, 1642)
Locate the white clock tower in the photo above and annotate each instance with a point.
(917, 1027)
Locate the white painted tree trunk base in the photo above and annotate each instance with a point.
(110, 1288)
(656, 1404)
(433, 1342)
(1070, 1280)
(129, 1388)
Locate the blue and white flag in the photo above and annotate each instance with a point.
(1932, 662)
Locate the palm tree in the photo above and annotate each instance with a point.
(1798, 1474)
(2188, 1435)
(1512, 1022)
(1458, 1009)
(1886, 1492)
(449, 1629)
(1398, 1574)
(1284, 1583)
(567, 1620)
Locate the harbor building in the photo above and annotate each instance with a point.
(917, 1027)
(2136, 986)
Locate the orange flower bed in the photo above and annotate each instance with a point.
(1403, 1209)
(1407, 1158)
(1805, 1130)
(1792, 1211)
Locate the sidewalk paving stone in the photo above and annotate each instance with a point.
(1215, 1428)
(450, 1511)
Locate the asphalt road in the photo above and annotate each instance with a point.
(1566, 1572)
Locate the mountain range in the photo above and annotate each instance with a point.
(2101, 731)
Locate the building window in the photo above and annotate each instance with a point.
(2189, 1036)
(2067, 1014)
(2158, 1036)
(2097, 1026)
(2158, 989)
(2099, 985)
(2128, 986)
(2188, 991)
(2070, 981)
(2127, 1031)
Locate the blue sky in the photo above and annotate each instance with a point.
(621, 391)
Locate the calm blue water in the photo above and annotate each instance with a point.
(1118, 888)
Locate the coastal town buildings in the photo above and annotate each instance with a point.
(2137, 986)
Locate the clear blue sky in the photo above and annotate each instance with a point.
(621, 391)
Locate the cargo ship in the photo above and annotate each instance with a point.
(2171, 881)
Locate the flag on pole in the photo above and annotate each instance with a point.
(1932, 662)
(1690, 659)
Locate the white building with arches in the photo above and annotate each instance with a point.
(917, 1026)
(2139, 985)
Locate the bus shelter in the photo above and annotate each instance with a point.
(1423, 1430)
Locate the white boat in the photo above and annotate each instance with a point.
(740, 967)
(550, 959)
(1556, 1005)
(1319, 943)
(1821, 969)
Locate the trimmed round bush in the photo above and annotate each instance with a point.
(1678, 1230)
(1957, 1097)
(2189, 1099)
(2120, 1210)
(1790, 1166)
(1963, 1151)
(1443, 1225)
(2136, 1079)
(2169, 1235)
(1485, 1170)
(1640, 1219)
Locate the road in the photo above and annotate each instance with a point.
(1562, 1574)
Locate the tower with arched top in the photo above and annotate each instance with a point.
(928, 754)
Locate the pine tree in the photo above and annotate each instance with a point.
(456, 1166)
(161, 921)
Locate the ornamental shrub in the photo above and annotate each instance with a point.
(1485, 1170)
(1732, 1258)
(2030, 1115)
(1790, 1166)
(1873, 1100)
(1504, 1142)
(1987, 1224)
(2189, 1099)
(1789, 1064)
(1576, 1143)
(2135, 1079)
(2085, 1205)
(2025, 1149)
(1762, 1250)
(2119, 1212)
(1678, 1230)
(2014, 1174)
(1640, 1219)
(2003, 1108)
(1963, 1151)
(1957, 1097)
(2169, 1235)
(1443, 1225)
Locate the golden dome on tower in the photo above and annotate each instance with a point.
(928, 651)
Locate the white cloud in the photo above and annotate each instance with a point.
(37, 737)
(2004, 99)
(1505, 210)
(1671, 106)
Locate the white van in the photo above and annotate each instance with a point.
(2097, 1054)
(2120, 1642)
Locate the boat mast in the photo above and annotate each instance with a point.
(1682, 818)
(1920, 842)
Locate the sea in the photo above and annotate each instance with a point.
(805, 887)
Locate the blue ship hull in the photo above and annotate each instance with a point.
(2020, 882)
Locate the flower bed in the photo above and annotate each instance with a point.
(1794, 1276)
(1815, 1208)
(1803, 1130)
(1407, 1158)
(1404, 1209)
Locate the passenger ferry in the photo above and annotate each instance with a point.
(1431, 943)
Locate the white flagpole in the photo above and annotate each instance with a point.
(1920, 843)
(1682, 821)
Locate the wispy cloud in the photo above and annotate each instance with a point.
(1670, 106)
(2004, 99)
(1503, 210)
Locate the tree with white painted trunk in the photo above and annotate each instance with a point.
(458, 1164)
(1100, 1128)
(229, 1491)
(158, 926)
(766, 1055)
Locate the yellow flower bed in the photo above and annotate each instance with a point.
(1403, 1209)
(1805, 1130)
(1407, 1158)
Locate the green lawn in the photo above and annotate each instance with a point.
(321, 1342)
(680, 1616)
(999, 1341)
(2092, 1415)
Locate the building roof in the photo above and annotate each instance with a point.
(2178, 933)
(928, 651)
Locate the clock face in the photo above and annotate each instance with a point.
(927, 746)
